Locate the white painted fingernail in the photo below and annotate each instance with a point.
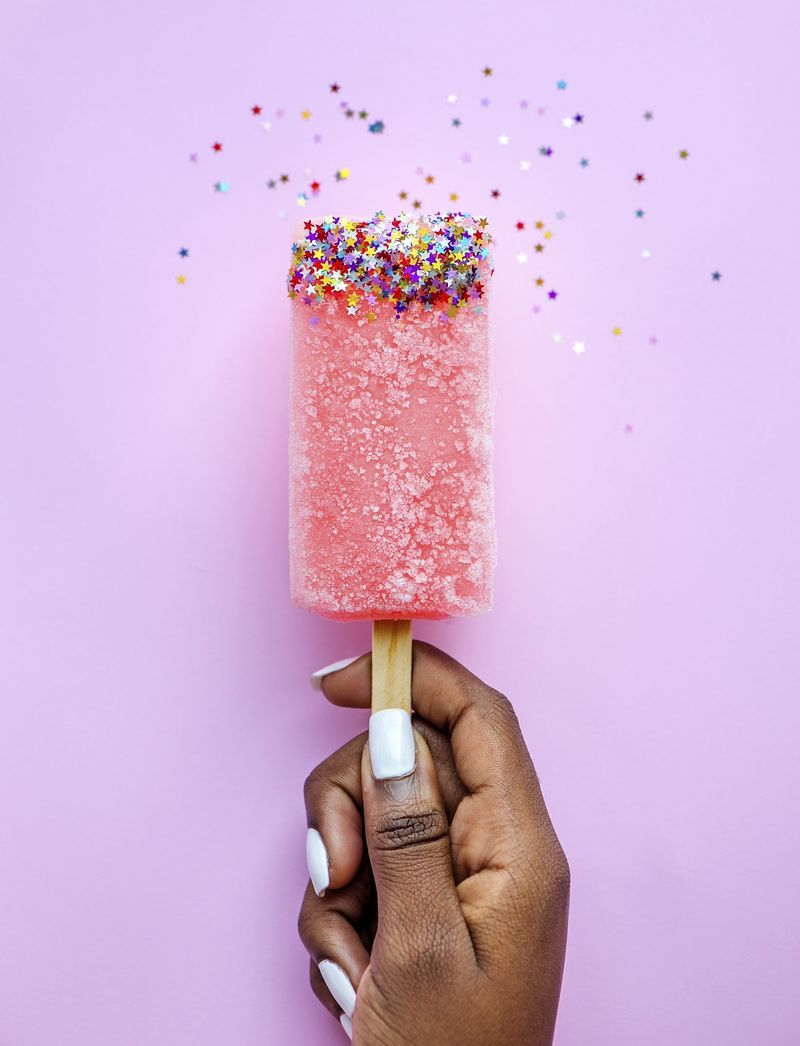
(391, 744)
(347, 1024)
(319, 675)
(339, 985)
(317, 857)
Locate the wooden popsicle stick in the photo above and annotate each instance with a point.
(391, 665)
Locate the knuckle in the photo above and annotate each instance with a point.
(501, 713)
(398, 830)
(311, 785)
(305, 924)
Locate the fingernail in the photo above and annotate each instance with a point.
(317, 858)
(347, 1024)
(339, 985)
(319, 675)
(392, 752)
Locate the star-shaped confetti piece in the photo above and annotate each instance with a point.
(217, 147)
(561, 85)
(180, 280)
(616, 331)
(579, 348)
(221, 187)
(683, 154)
(183, 252)
(255, 110)
(716, 276)
(487, 71)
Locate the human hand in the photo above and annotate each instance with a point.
(452, 924)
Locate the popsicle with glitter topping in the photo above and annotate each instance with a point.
(391, 501)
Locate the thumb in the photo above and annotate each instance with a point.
(408, 839)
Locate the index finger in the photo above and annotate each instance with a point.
(487, 742)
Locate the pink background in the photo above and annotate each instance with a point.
(156, 722)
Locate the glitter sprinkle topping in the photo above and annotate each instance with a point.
(433, 260)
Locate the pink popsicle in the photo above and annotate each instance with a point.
(391, 503)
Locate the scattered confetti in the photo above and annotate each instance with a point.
(414, 275)
(180, 280)
(628, 429)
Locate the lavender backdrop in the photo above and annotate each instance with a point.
(156, 723)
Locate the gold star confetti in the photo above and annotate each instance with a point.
(453, 197)
(683, 154)
(616, 331)
(306, 114)
(180, 280)
(487, 71)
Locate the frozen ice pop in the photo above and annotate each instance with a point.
(391, 504)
